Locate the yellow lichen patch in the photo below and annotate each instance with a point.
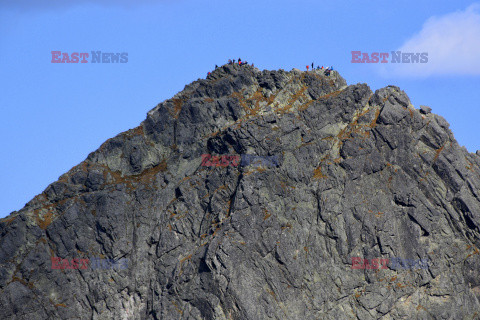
(177, 107)
(252, 105)
(208, 100)
(267, 215)
(359, 293)
(284, 110)
(331, 94)
(240, 98)
(271, 99)
(257, 96)
(374, 121)
(437, 152)
(60, 305)
(353, 127)
(177, 308)
(475, 251)
(134, 132)
(178, 217)
(390, 181)
(149, 174)
(222, 187)
(329, 138)
(8, 220)
(317, 173)
(22, 281)
(470, 166)
(305, 144)
(344, 134)
(43, 220)
(305, 105)
(286, 226)
(162, 166)
(272, 294)
(186, 258)
(297, 95)
(254, 170)
(215, 232)
(41, 197)
(146, 177)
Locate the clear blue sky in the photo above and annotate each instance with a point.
(54, 115)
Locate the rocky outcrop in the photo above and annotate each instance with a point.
(361, 175)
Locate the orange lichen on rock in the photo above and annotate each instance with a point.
(317, 173)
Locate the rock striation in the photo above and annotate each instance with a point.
(361, 176)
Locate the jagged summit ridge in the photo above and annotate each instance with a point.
(360, 174)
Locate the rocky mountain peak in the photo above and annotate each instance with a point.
(344, 204)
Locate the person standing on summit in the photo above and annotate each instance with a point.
(312, 65)
(307, 67)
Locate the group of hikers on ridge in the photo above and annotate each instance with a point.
(232, 62)
(327, 70)
(240, 62)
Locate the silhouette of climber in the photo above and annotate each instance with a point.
(308, 67)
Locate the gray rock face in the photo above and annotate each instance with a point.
(425, 109)
(361, 176)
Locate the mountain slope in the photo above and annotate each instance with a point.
(360, 174)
